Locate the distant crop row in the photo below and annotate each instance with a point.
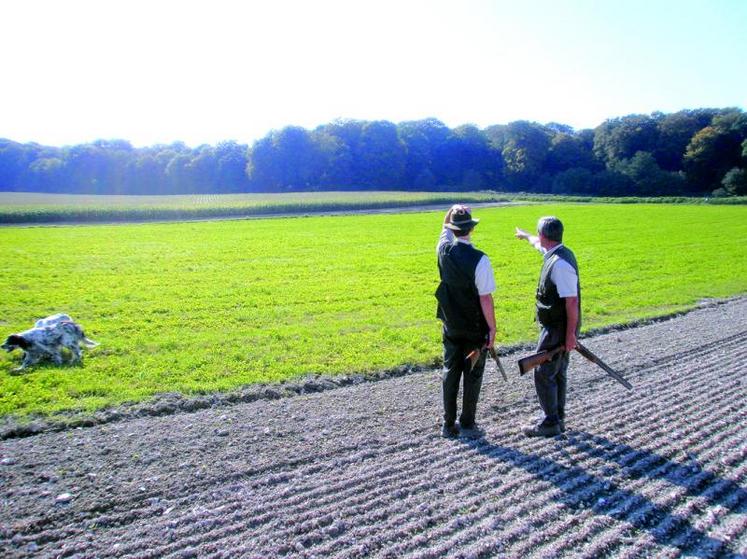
(208, 306)
(20, 207)
(60, 208)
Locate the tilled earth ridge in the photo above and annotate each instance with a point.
(362, 470)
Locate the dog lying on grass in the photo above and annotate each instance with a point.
(47, 339)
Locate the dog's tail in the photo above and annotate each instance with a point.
(88, 343)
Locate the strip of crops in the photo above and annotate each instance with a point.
(60, 208)
(20, 207)
(211, 306)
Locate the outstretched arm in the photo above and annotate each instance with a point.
(531, 239)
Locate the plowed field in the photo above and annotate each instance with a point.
(361, 470)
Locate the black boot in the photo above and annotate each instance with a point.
(544, 429)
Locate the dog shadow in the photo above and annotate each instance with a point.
(580, 489)
(13, 366)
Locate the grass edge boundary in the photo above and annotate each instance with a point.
(171, 403)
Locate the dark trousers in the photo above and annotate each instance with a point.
(456, 364)
(551, 378)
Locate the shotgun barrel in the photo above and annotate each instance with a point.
(498, 363)
(607, 369)
(474, 355)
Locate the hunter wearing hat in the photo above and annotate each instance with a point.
(465, 306)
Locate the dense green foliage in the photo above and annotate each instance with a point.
(691, 152)
(200, 307)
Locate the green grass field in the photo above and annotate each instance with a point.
(208, 306)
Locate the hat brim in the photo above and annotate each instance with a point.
(462, 226)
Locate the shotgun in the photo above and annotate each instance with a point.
(607, 369)
(498, 364)
(474, 355)
(528, 363)
(532, 361)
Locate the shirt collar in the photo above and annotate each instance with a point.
(554, 249)
(463, 240)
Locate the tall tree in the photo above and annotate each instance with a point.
(674, 133)
(480, 165)
(88, 168)
(380, 157)
(422, 140)
(735, 182)
(525, 149)
(335, 159)
(203, 168)
(715, 149)
(648, 179)
(621, 138)
(144, 174)
(178, 175)
(569, 151)
(230, 172)
(285, 160)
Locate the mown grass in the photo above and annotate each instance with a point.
(210, 306)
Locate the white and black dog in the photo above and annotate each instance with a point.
(46, 340)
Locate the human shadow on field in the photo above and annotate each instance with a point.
(636, 463)
(582, 490)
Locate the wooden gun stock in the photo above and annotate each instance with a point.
(474, 355)
(528, 363)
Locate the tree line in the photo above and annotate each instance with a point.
(690, 152)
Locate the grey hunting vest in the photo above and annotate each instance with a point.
(458, 299)
(550, 306)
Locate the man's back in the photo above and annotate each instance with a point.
(458, 296)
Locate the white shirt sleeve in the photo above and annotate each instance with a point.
(565, 279)
(484, 279)
(535, 242)
(447, 237)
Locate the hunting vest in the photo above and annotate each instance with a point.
(550, 306)
(458, 299)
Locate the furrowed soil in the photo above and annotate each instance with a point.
(362, 471)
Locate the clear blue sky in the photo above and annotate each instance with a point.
(160, 71)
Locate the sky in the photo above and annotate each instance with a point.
(201, 72)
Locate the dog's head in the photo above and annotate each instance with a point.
(14, 341)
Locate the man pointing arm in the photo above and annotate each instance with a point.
(559, 315)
